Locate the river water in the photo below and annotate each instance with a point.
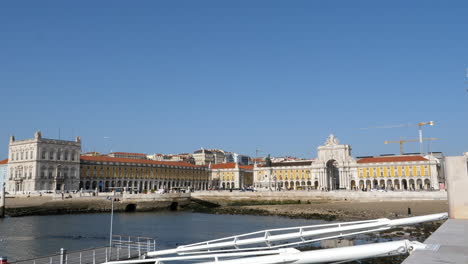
(33, 236)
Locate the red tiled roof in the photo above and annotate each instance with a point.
(246, 167)
(128, 153)
(5, 161)
(139, 161)
(230, 165)
(392, 159)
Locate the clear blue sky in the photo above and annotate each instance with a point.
(173, 76)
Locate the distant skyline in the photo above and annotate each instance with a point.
(279, 76)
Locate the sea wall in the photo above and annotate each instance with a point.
(331, 195)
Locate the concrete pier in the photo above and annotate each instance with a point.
(2, 201)
(451, 239)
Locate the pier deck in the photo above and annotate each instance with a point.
(453, 240)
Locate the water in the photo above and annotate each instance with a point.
(33, 236)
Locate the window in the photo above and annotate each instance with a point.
(43, 154)
(17, 156)
(51, 155)
(59, 155)
(31, 155)
(66, 155)
(12, 156)
(22, 155)
(73, 155)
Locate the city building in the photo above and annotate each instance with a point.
(3, 171)
(126, 155)
(186, 157)
(335, 169)
(232, 157)
(203, 157)
(41, 164)
(231, 176)
(105, 173)
(218, 155)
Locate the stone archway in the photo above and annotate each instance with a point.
(333, 175)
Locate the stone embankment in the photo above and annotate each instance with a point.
(312, 205)
(54, 204)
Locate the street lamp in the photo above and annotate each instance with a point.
(111, 225)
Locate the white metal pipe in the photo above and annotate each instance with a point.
(331, 255)
(342, 228)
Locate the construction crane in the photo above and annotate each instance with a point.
(420, 125)
(404, 141)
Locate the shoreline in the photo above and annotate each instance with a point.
(324, 209)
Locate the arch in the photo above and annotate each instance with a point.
(87, 185)
(361, 185)
(333, 175)
(94, 185)
(316, 185)
(427, 184)
(353, 184)
(404, 184)
(389, 184)
(382, 184)
(375, 184)
(411, 184)
(297, 184)
(419, 184)
(368, 184)
(396, 184)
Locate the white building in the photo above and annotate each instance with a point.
(203, 157)
(41, 164)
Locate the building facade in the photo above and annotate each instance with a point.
(41, 164)
(104, 173)
(231, 176)
(3, 171)
(336, 169)
(203, 157)
(127, 155)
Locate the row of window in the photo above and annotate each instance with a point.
(383, 172)
(58, 155)
(23, 155)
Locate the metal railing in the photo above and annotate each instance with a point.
(123, 248)
(128, 243)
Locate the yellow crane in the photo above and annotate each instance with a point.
(410, 140)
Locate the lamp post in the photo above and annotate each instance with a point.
(111, 226)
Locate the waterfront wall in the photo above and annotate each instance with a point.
(332, 195)
(457, 181)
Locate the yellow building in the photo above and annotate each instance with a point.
(396, 172)
(103, 173)
(231, 176)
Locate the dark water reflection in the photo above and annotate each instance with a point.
(32, 236)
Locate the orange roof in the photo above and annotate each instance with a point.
(392, 159)
(230, 165)
(139, 161)
(246, 167)
(5, 161)
(128, 153)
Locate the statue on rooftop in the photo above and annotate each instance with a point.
(331, 141)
